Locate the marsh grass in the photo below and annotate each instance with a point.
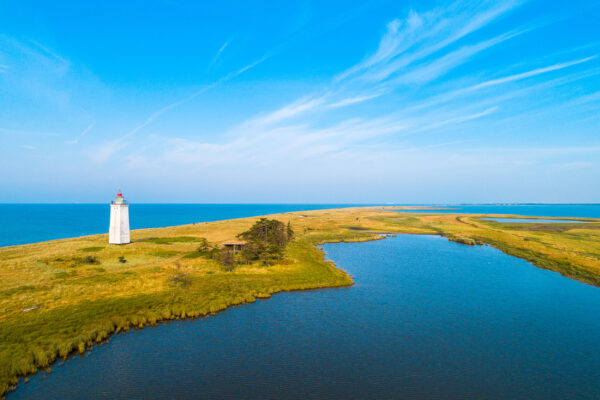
(170, 240)
(74, 302)
(192, 255)
(165, 253)
(92, 249)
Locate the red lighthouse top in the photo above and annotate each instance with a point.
(119, 194)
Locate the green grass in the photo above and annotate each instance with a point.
(92, 249)
(192, 255)
(165, 253)
(170, 240)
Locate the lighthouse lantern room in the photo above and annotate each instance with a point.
(119, 221)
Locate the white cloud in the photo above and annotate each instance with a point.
(420, 36)
(87, 129)
(321, 129)
(529, 74)
(168, 107)
(289, 111)
(106, 150)
(354, 100)
(458, 119)
(438, 67)
(217, 56)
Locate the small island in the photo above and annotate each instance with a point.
(65, 296)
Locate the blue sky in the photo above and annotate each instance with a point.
(308, 101)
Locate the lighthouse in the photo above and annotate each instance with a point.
(119, 221)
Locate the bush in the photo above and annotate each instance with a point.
(203, 247)
(180, 278)
(227, 259)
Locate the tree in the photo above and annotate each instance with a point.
(266, 240)
(266, 231)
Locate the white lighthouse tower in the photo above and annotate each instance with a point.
(119, 221)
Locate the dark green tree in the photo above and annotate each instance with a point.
(265, 240)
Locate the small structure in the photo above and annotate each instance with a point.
(118, 232)
(234, 246)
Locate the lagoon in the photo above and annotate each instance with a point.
(427, 318)
(533, 221)
(539, 210)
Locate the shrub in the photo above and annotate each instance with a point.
(181, 279)
(203, 247)
(227, 259)
(91, 260)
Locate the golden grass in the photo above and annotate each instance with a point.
(64, 296)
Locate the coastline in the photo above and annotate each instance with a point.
(92, 302)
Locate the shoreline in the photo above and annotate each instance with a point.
(394, 208)
(136, 307)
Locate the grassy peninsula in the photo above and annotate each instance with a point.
(65, 296)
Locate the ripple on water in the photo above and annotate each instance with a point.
(427, 318)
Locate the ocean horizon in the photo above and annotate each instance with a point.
(24, 223)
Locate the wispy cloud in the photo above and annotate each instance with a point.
(289, 111)
(529, 74)
(413, 94)
(354, 100)
(197, 93)
(106, 150)
(82, 134)
(421, 35)
(457, 119)
(409, 53)
(36, 73)
(217, 56)
(87, 129)
(438, 67)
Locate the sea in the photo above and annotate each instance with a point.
(30, 223)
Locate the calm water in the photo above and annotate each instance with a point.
(29, 223)
(427, 318)
(538, 210)
(534, 221)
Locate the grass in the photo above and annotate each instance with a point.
(55, 301)
(92, 248)
(170, 240)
